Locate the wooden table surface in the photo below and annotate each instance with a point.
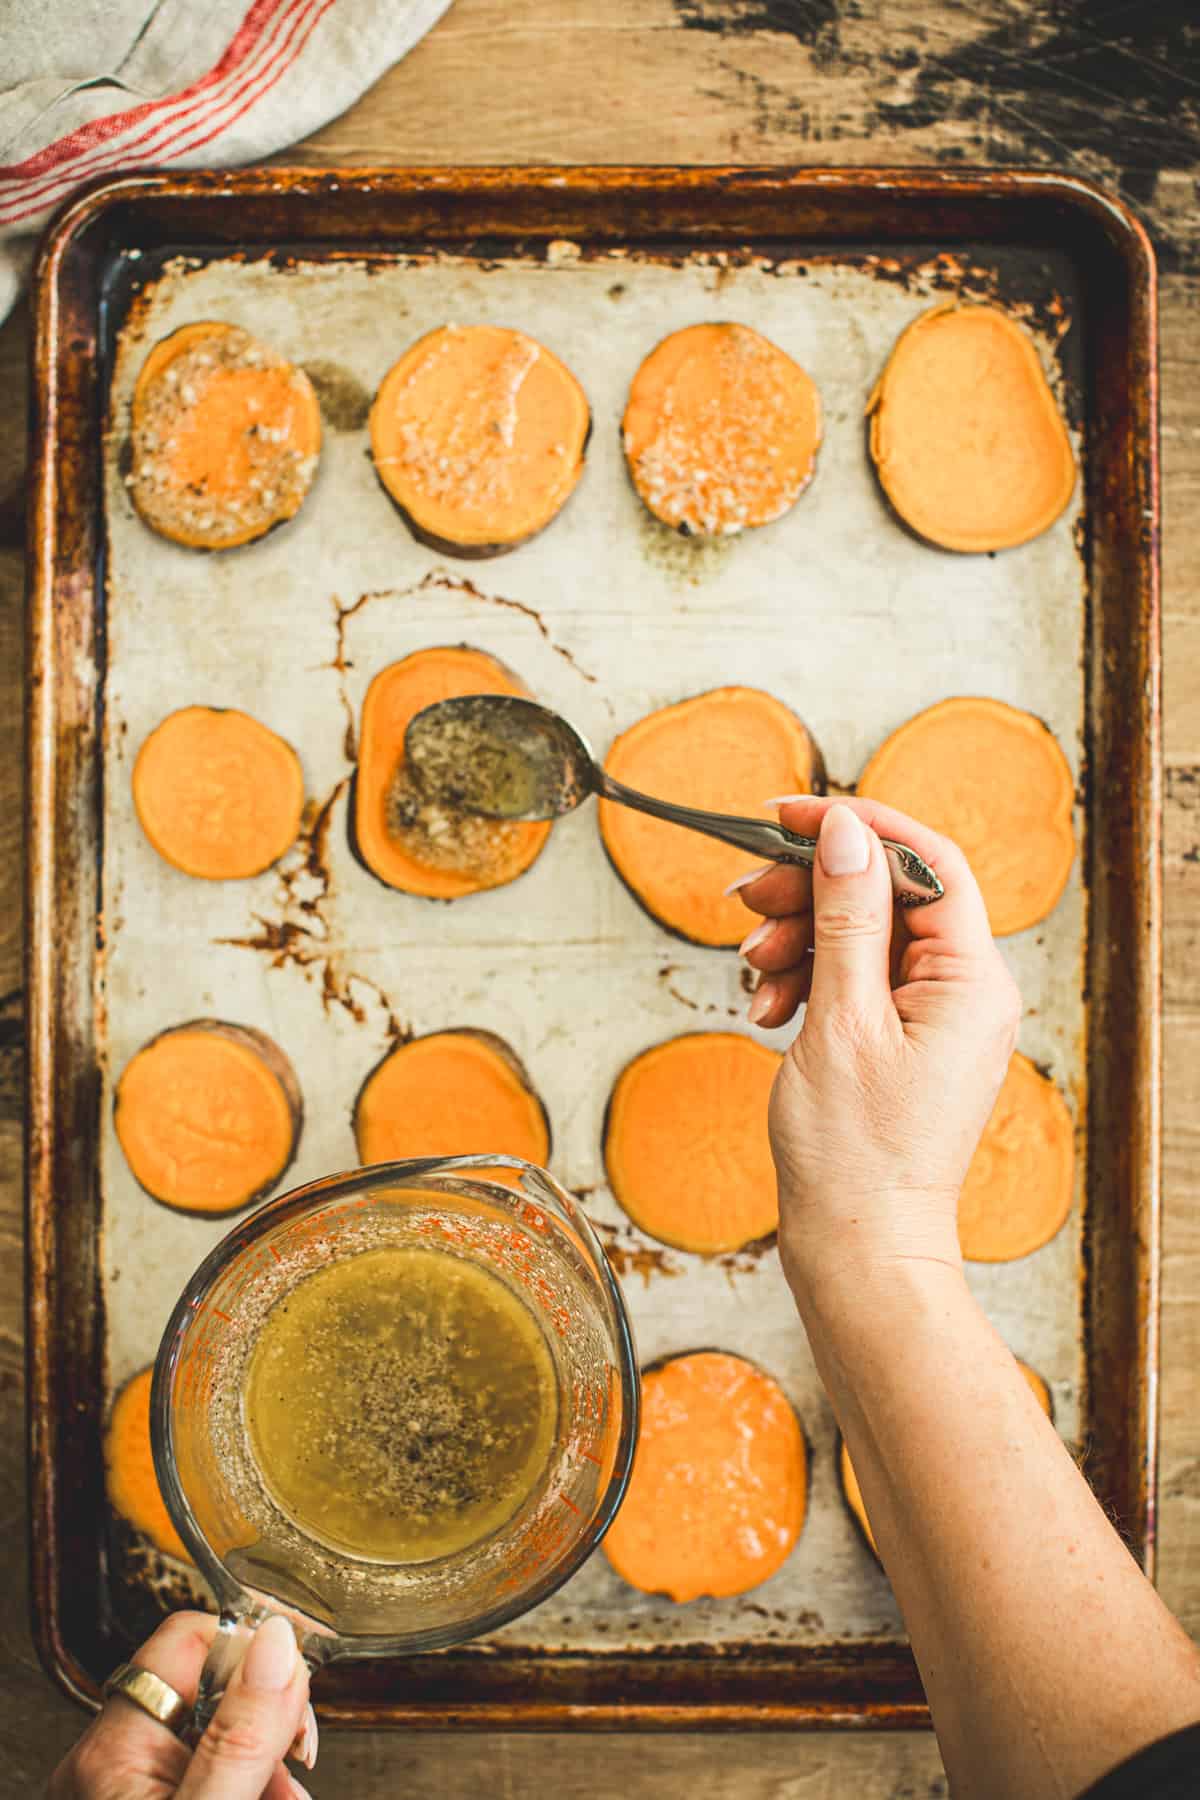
(1109, 89)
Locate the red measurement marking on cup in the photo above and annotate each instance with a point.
(567, 1501)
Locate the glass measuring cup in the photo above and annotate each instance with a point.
(533, 1237)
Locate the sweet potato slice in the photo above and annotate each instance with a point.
(478, 435)
(721, 430)
(852, 1491)
(218, 794)
(727, 751)
(1019, 1186)
(225, 437)
(966, 436)
(995, 780)
(208, 1115)
(452, 1093)
(685, 1142)
(129, 1476)
(408, 843)
(717, 1497)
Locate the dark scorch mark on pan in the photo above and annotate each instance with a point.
(345, 402)
(630, 1256)
(308, 942)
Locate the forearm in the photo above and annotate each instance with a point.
(1046, 1655)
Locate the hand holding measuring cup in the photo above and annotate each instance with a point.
(128, 1753)
(262, 1556)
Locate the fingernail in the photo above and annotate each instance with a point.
(309, 1740)
(786, 799)
(751, 875)
(758, 936)
(762, 1002)
(294, 1787)
(843, 845)
(272, 1657)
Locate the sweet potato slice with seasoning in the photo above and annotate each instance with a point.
(208, 1115)
(719, 1487)
(685, 1142)
(129, 1476)
(851, 1491)
(966, 436)
(225, 437)
(728, 751)
(721, 430)
(451, 1093)
(995, 780)
(1020, 1184)
(410, 843)
(218, 794)
(478, 435)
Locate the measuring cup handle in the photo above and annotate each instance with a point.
(234, 1631)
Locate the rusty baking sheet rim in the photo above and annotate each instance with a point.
(727, 205)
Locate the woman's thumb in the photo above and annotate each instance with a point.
(852, 917)
(252, 1729)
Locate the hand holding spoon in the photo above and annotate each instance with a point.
(509, 758)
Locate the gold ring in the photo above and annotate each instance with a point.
(152, 1694)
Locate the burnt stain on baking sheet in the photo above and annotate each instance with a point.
(746, 1260)
(666, 976)
(630, 1255)
(308, 942)
(442, 581)
(345, 403)
(686, 560)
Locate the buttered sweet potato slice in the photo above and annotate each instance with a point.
(225, 437)
(995, 780)
(452, 1093)
(218, 794)
(1020, 1184)
(717, 1497)
(408, 842)
(966, 436)
(685, 1141)
(853, 1493)
(727, 751)
(208, 1115)
(721, 430)
(478, 435)
(129, 1476)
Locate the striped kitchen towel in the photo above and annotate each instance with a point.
(91, 87)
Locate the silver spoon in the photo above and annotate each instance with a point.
(509, 758)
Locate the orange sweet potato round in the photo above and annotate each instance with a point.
(728, 751)
(451, 1093)
(132, 1484)
(440, 854)
(717, 1497)
(478, 435)
(1020, 1184)
(218, 794)
(685, 1141)
(225, 436)
(995, 780)
(966, 436)
(208, 1115)
(721, 430)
